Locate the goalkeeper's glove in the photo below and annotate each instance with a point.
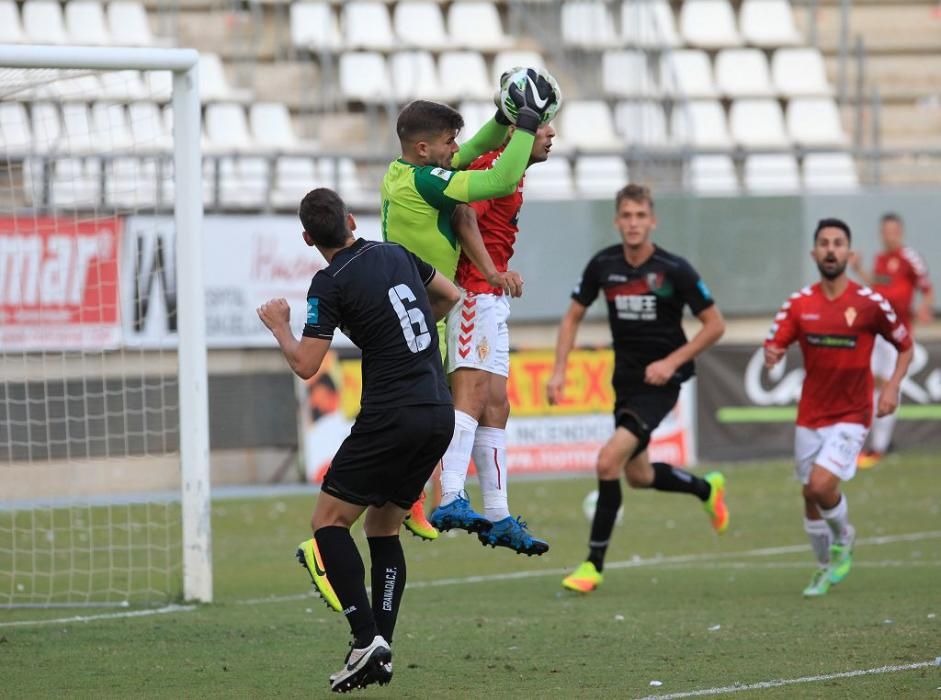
(530, 97)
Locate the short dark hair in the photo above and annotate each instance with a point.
(426, 118)
(323, 215)
(833, 223)
(891, 216)
(634, 193)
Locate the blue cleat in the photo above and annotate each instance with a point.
(513, 534)
(459, 515)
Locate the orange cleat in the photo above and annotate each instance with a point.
(417, 523)
(715, 507)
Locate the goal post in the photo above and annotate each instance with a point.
(191, 369)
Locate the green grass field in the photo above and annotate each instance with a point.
(679, 605)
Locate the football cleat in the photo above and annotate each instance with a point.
(363, 667)
(819, 584)
(841, 558)
(309, 557)
(417, 523)
(715, 506)
(867, 459)
(513, 534)
(584, 579)
(458, 515)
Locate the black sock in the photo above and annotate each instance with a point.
(669, 478)
(388, 581)
(606, 512)
(347, 575)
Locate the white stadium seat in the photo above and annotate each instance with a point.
(648, 24)
(767, 173)
(588, 125)
(366, 25)
(11, 29)
(758, 124)
(46, 125)
(626, 74)
(127, 20)
(148, 127)
(709, 24)
(414, 76)
(130, 182)
(476, 25)
(294, 177)
(475, 115)
(687, 73)
(700, 123)
(73, 86)
(213, 85)
(712, 174)
(314, 27)
(549, 180)
(15, 134)
(111, 129)
(364, 77)
(76, 128)
(420, 24)
(830, 172)
(599, 176)
(800, 73)
(122, 85)
(340, 174)
(227, 128)
(588, 25)
(76, 182)
(43, 22)
(505, 60)
(641, 123)
(159, 84)
(466, 73)
(271, 126)
(814, 122)
(768, 23)
(743, 73)
(85, 22)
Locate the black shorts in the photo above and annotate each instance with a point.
(389, 455)
(640, 409)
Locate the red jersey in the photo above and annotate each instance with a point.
(836, 338)
(498, 221)
(896, 276)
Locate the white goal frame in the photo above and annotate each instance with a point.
(188, 217)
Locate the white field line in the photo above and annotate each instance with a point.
(764, 685)
(710, 558)
(106, 616)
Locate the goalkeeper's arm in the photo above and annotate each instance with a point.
(498, 181)
(489, 137)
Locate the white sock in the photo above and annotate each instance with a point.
(490, 458)
(837, 519)
(882, 429)
(820, 537)
(456, 459)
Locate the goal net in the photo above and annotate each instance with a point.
(103, 417)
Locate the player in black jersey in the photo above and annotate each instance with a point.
(646, 289)
(387, 301)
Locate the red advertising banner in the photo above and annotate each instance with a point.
(59, 283)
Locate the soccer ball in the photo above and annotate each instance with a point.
(518, 76)
(591, 502)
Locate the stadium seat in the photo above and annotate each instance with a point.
(147, 126)
(814, 122)
(414, 76)
(366, 25)
(111, 129)
(475, 115)
(641, 123)
(11, 29)
(85, 22)
(294, 177)
(687, 73)
(587, 25)
(227, 128)
(43, 22)
(476, 25)
(122, 85)
(771, 173)
(800, 73)
(73, 86)
(131, 183)
(46, 126)
(420, 24)
(340, 174)
(159, 84)
(626, 74)
(712, 174)
(700, 123)
(758, 124)
(768, 23)
(510, 59)
(364, 77)
(648, 24)
(743, 73)
(709, 24)
(271, 127)
(127, 20)
(314, 27)
(550, 180)
(213, 85)
(76, 129)
(76, 183)
(588, 126)
(16, 137)
(466, 73)
(830, 172)
(599, 176)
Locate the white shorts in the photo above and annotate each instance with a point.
(884, 356)
(833, 447)
(478, 336)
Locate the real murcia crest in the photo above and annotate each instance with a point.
(849, 315)
(483, 349)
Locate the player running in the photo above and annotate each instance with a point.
(424, 193)
(478, 365)
(377, 293)
(646, 289)
(898, 272)
(836, 322)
